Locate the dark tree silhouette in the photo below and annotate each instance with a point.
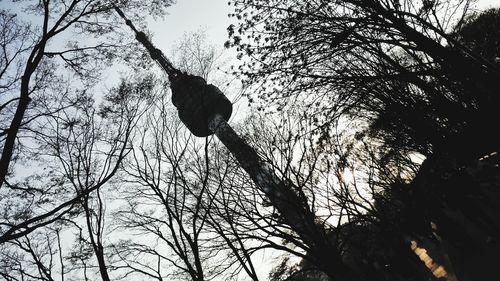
(30, 61)
(376, 131)
(479, 33)
(385, 61)
(408, 81)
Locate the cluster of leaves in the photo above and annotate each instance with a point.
(381, 61)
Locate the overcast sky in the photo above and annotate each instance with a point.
(212, 15)
(191, 15)
(488, 3)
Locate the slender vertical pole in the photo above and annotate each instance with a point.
(155, 53)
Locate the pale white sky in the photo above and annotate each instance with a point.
(212, 15)
(483, 4)
(191, 15)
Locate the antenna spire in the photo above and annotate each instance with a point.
(155, 53)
